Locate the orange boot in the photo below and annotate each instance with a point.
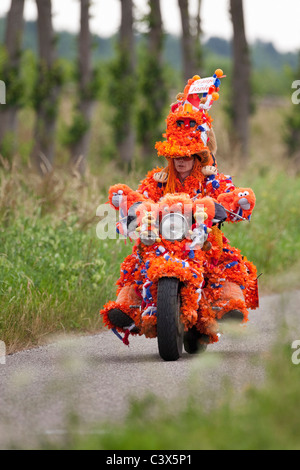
(121, 314)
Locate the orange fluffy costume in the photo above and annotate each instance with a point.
(228, 280)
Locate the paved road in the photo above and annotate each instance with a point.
(97, 376)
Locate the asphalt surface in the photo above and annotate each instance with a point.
(97, 377)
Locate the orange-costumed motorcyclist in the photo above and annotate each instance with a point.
(190, 148)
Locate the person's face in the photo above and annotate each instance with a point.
(184, 165)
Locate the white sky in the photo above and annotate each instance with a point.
(268, 20)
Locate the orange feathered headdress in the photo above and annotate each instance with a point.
(188, 123)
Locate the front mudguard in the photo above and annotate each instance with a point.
(191, 280)
(195, 307)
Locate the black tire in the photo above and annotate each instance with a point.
(191, 341)
(169, 327)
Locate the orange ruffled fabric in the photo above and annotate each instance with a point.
(180, 142)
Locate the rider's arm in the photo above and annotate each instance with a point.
(149, 188)
(152, 187)
(120, 195)
(126, 201)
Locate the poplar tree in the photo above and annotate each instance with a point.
(46, 91)
(10, 75)
(241, 77)
(152, 83)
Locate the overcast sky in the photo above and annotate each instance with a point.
(268, 20)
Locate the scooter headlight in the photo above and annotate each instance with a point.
(174, 227)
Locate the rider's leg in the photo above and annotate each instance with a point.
(231, 305)
(120, 315)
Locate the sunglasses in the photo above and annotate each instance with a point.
(186, 123)
(186, 159)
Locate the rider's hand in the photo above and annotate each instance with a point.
(209, 170)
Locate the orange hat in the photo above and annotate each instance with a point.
(188, 123)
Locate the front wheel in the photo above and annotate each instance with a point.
(169, 327)
(195, 342)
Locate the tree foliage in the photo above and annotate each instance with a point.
(121, 94)
(152, 81)
(152, 99)
(292, 124)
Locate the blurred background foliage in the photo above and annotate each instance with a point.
(271, 78)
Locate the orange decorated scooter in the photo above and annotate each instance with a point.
(170, 286)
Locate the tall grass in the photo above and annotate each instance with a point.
(55, 274)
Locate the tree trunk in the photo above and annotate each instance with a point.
(156, 30)
(198, 21)
(13, 46)
(152, 86)
(241, 88)
(127, 50)
(190, 46)
(86, 102)
(198, 33)
(126, 30)
(47, 91)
